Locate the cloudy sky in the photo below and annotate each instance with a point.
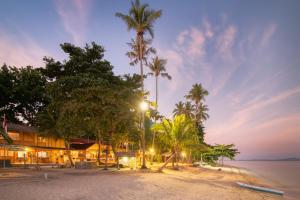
(246, 53)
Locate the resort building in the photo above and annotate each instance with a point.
(30, 148)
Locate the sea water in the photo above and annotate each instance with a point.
(284, 175)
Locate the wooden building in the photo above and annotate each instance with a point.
(30, 148)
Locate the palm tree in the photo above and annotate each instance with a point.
(178, 134)
(188, 110)
(184, 108)
(197, 94)
(202, 114)
(134, 54)
(179, 108)
(141, 19)
(158, 68)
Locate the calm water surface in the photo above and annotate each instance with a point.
(284, 174)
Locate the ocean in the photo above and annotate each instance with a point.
(284, 175)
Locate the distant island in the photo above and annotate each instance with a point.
(281, 159)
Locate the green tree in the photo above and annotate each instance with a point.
(23, 92)
(72, 112)
(178, 134)
(214, 153)
(197, 94)
(141, 19)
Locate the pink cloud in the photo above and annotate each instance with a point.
(21, 52)
(268, 34)
(73, 16)
(226, 41)
(239, 120)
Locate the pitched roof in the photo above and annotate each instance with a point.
(21, 128)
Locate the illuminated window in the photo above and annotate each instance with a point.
(43, 154)
(21, 154)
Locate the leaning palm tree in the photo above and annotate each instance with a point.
(197, 94)
(141, 19)
(134, 54)
(178, 134)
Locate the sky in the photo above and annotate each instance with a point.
(245, 53)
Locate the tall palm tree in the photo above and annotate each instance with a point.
(134, 54)
(197, 94)
(141, 19)
(158, 68)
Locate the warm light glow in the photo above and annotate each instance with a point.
(125, 159)
(144, 106)
(26, 149)
(152, 151)
(183, 154)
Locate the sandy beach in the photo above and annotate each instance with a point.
(67, 184)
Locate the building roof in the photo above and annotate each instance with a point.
(80, 146)
(82, 141)
(21, 128)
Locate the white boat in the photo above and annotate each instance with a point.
(258, 188)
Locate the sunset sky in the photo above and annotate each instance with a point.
(246, 53)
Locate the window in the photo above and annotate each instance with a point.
(43, 154)
(21, 154)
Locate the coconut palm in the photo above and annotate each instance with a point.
(197, 94)
(178, 134)
(134, 54)
(202, 115)
(184, 108)
(141, 19)
(179, 108)
(158, 68)
(189, 110)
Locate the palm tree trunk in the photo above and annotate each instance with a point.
(156, 92)
(140, 37)
(106, 157)
(156, 102)
(99, 149)
(67, 144)
(165, 164)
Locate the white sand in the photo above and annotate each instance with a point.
(71, 184)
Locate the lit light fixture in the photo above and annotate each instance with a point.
(125, 159)
(26, 149)
(144, 106)
(151, 150)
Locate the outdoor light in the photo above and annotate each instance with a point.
(144, 106)
(152, 151)
(183, 154)
(125, 159)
